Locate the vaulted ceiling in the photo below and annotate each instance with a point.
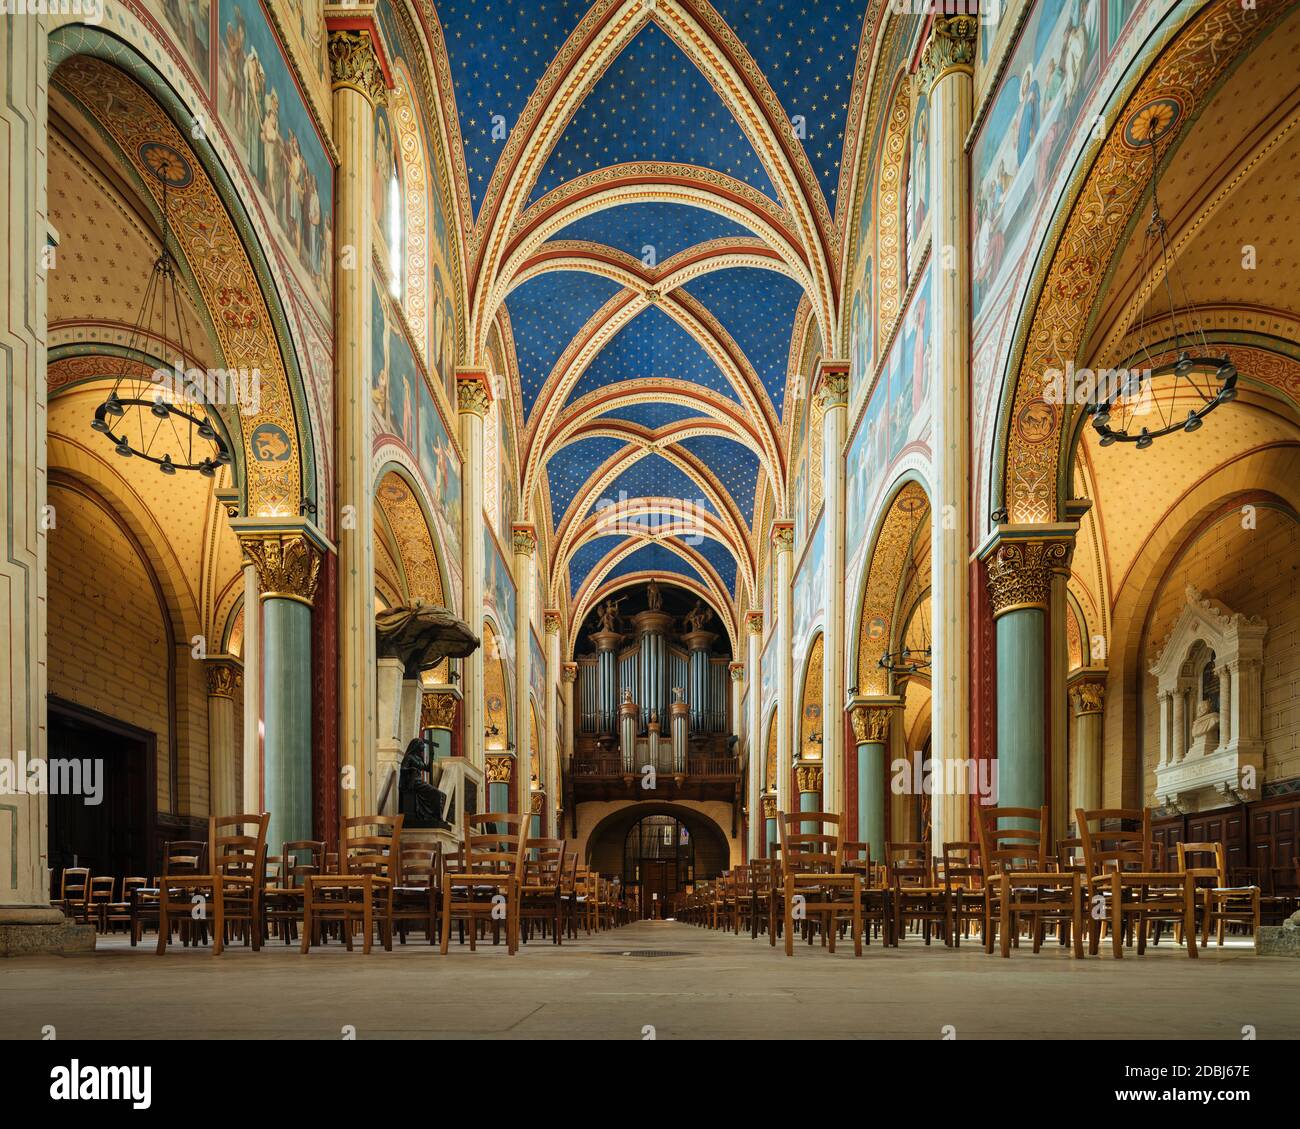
(653, 185)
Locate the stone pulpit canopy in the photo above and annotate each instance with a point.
(1209, 677)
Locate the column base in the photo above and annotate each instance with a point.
(42, 931)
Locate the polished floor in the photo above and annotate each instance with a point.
(712, 985)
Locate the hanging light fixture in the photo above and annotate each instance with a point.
(906, 660)
(1141, 405)
(142, 416)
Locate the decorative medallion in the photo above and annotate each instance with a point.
(166, 164)
(1151, 121)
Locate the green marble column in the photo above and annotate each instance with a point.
(1022, 561)
(871, 724)
(288, 567)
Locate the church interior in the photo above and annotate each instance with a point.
(806, 489)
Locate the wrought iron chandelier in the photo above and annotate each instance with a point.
(1201, 382)
(142, 416)
(907, 661)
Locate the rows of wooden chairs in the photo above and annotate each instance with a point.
(1005, 885)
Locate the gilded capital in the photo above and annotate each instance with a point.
(523, 539)
(224, 676)
(754, 623)
(437, 710)
(833, 384)
(499, 768)
(769, 807)
(538, 803)
(808, 777)
(568, 672)
(473, 393)
(354, 64)
(288, 565)
(1088, 697)
(783, 536)
(1020, 572)
(951, 47)
(551, 622)
(737, 672)
(870, 725)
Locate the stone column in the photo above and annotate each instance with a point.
(524, 544)
(537, 810)
(809, 778)
(438, 719)
(288, 562)
(568, 679)
(357, 78)
(737, 673)
(224, 677)
(27, 921)
(832, 390)
(1087, 696)
(771, 835)
(551, 624)
(946, 73)
(1021, 562)
(754, 725)
(871, 719)
(250, 798)
(787, 715)
(474, 394)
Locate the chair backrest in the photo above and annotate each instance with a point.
(962, 869)
(1122, 841)
(419, 866)
(1069, 856)
(101, 888)
(857, 857)
(237, 845)
(763, 873)
(1022, 845)
(300, 859)
(569, 877)
(908, 864)
(494, 842)
(544, 863)
(1205, 862)
(810, 852)
(134, 882)
(74, 884)
(184, 856)
(372, 844)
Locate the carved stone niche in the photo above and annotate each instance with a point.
(1210, 756)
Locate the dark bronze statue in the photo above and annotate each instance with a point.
(417, 799)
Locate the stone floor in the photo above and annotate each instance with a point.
(719, 986)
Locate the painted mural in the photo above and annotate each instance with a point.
(536, 669)
(440, 466)
(190, 22)
(499, 599)
(807, 595)
(387, 193)
(767, 665)
(260, 104)
(918, 181)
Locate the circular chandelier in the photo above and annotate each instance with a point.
(1141, 405)
(908, 660)
(160, 417)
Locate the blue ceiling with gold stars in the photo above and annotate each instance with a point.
(651, 103)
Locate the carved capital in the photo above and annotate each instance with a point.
(568, 672)
(870, 725)
(537, 803)
(754, 623)
(523, 539)
(808, 777)
(288, 565)
(783, 536)
(951, 47)
(737, 672)
(769, 807)
(1020, 572)
(473, 392)
(551, 622)
(224, 676)
(437, 710)
(499, 768)
(354, 64)
(833, 384)
(1088, 697)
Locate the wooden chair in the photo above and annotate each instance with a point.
(484, 887)
(914, 892)
(541, 888)
(569, 895)
(764, 877)
(370, 866)
(1221, 904)
(963, 884)
(231, 894)
(97, 900)
(877, 915)
(816, 888)
(74, 892)
(416, 898)
(283, 901)
(1122, 888)
(119, 912)
(1020, 881)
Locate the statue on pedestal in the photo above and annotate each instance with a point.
(607, 614)
(697, 617)
(1205, 729)
(654, 600)
(417, 799)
